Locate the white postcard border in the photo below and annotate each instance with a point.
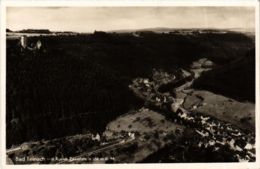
(118, 3)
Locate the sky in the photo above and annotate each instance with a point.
(89, 19)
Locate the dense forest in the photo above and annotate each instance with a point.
(235, 80)
(80, 83)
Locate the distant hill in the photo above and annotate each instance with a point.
(8, 30)
(34, 31)
(41, 32)
(166, 30)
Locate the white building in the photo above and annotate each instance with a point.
(24, 41)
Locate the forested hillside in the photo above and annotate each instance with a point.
(80, 83)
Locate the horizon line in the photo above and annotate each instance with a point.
(138, 29)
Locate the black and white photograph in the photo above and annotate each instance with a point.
(130, 84)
